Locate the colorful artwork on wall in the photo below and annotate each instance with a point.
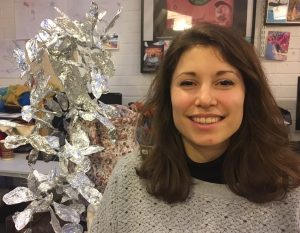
(277, 45)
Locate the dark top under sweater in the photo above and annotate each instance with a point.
(210, 171)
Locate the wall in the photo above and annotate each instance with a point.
(282, 76)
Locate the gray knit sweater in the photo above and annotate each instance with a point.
(127, 207)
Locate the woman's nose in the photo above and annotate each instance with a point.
(205, 97)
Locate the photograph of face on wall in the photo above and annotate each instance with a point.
(184, 14)
(282, 12)
(171, 16)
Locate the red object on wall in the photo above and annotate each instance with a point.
(213, 11)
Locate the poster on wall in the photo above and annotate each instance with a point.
(112, 42)
(152, 52)
(181, 15)
(277, 45)
(283, 12)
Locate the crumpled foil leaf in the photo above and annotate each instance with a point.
(21, 219)
(20, 57)
(38, 182)
(73, 28)
(63, 101)
(34, 53)
(32, 183)
(101, 15)
(72, 228)
(12, 142)
(88, 116)
(46, 186)
(43, 36)
(33, 156)
(18, 195)
(38, 142)
(41, 143)
(91, 150)
(77, 155)
(69, 151)
(79, 138)
(109, 125)
(108, 111)
(41, 205)
(39, 176)
(40, 90)
(79, 180)
(27, 113)
(91, 194)
(53, 141)
(102, 59)
(46, 182)
(65, 199)
(80, 208)
(54, 174)
(71, 193)
(66, 213)
(54, 107)
(49, 25)
(91, 16)
(99, 84)
(63, 165)
(55, 222)
(84, 166)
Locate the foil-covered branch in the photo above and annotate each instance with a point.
(67, 69)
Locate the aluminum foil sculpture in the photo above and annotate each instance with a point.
(65, 64)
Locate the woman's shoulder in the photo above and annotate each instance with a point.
(129, 162)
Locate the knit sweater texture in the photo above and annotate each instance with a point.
(210, 208)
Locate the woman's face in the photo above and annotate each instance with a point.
(207, 96)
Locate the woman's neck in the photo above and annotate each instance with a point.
(204, 154)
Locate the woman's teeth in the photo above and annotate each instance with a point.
(206, 120)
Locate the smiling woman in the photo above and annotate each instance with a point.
(220, 147)
(207, 96)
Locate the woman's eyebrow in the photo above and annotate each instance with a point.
(187, 73)
(221, 72)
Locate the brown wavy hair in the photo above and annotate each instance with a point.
(259, 164)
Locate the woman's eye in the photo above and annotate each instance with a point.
(226, 83)
(187, 83)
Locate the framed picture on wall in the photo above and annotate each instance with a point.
(163, 19)
(152, 53)
(283, 12)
